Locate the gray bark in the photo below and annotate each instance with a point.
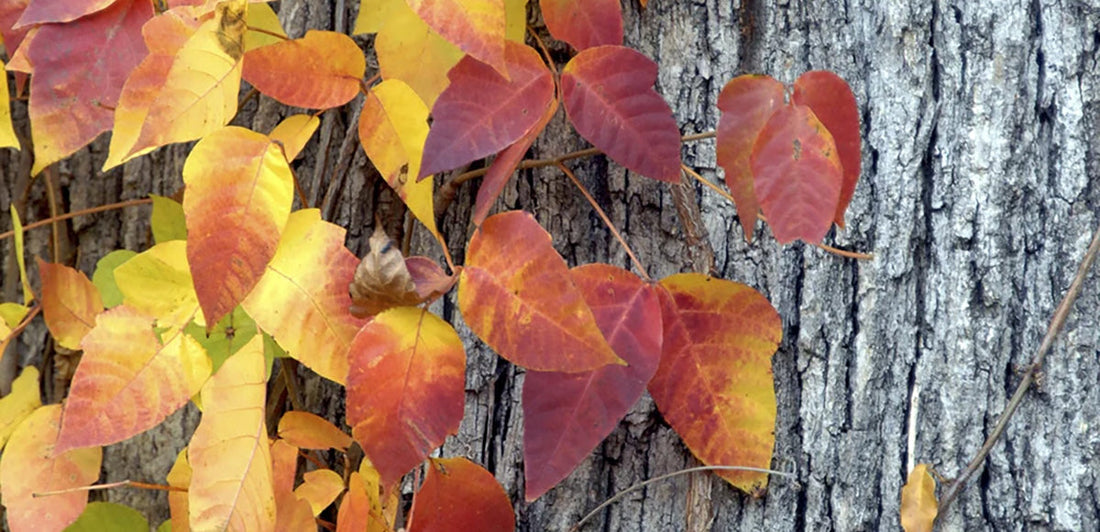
(978, 197)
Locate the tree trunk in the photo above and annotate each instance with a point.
(978, 197)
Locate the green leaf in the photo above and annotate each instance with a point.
(227, 337)
(99, 516)
(104, 276)
(12, 313)
(167, 220)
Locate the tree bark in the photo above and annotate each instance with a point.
(978, 197)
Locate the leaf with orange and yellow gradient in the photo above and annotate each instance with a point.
(517, 294)
(355, 507)
(179, 477)
(29, 466)
(7, 133)
(20, 402)
(302, 299)
(475, 26)
(714, 384)
(238, 197)
(332, 62)
(310, 431)
(128, 381)
(70, 303)
(231, 473)
(460, 495)
(73, 89)
(410, 51)
(157, 282)
(164, 36)
(405, 388)
(393, 126)
(320, 488)
(199, 93)
(294, 133)
(292, 513)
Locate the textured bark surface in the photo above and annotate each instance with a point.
(978, 197)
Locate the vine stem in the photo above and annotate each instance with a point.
(836, 251)
(643, 484)
(82, 212)
(606, 221)
(1056, 323)
(119, 484)
(23, 324)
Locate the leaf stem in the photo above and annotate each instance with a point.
(268, 32)
(606, 221)
(643, 484)
(82, 212)
(545, 51)
(364, 86)
(1056, 323)
(119, 484)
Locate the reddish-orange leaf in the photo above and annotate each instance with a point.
(318, 71)
(585, 23)
(231, 478)
(482, 112)
(310, 431)
(74, 88)
(565, 415)
(746, 103)
(918, 501)
(179, 477)
(405, 388)
(609, 96)
(29, 465)
(797, 175)
(70, 303)
(42, 11)
(292, 513)
(460, 495)
(302, 299)
(239, 192)
(517, 295)
(832, 101)
(475, 26)
(714, 384)
(504, 165)
(354, 514)
(128, 381)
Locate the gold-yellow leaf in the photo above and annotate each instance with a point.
(17, 405)
(918, 501)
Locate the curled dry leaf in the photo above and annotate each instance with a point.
(381, 280)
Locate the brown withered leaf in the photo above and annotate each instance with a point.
(381, 280)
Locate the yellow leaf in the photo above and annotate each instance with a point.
(918, 501)
(12, 313)
(412, 52)
(320, 488)
(7, 133)
(167, 221)
(392, 129)
(373, 14)
(179, 477)
(294, 132)
(17, 405)
(231, 476)
(515, 12)
(17, 228)
(262, 17)
(158, 282)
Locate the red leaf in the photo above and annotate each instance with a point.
(798, 174)
(830, 98)
(746, 103)
(504, 165)
(429, 278)
(460, 495)
(608, 93)
(41, 11)
(584, 24)
(481, 112)
(517, 295)
(331, 61)
(565, 415)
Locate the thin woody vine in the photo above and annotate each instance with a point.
(240, 287)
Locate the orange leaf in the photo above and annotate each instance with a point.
(410, 51)
(482, 112)
(302, 299)
(714, 384)
(475, 26)
(460, 495)
(320, 488)
(566, 415)
(310, 431)
(128, 381)
(355, 507)
(40, 12)
(70, 303)
(29, 465)
(231, 479)
(584, 24)
(797, 175)
(608, 94)
(517, 295)
(238, 197)
(73, 88)
(918, 501)
(331, 62)
(179, 477)
(504, 166)
(746, 103)
(405, 388)
(832, 101)
(294, 133)
(293, 514)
